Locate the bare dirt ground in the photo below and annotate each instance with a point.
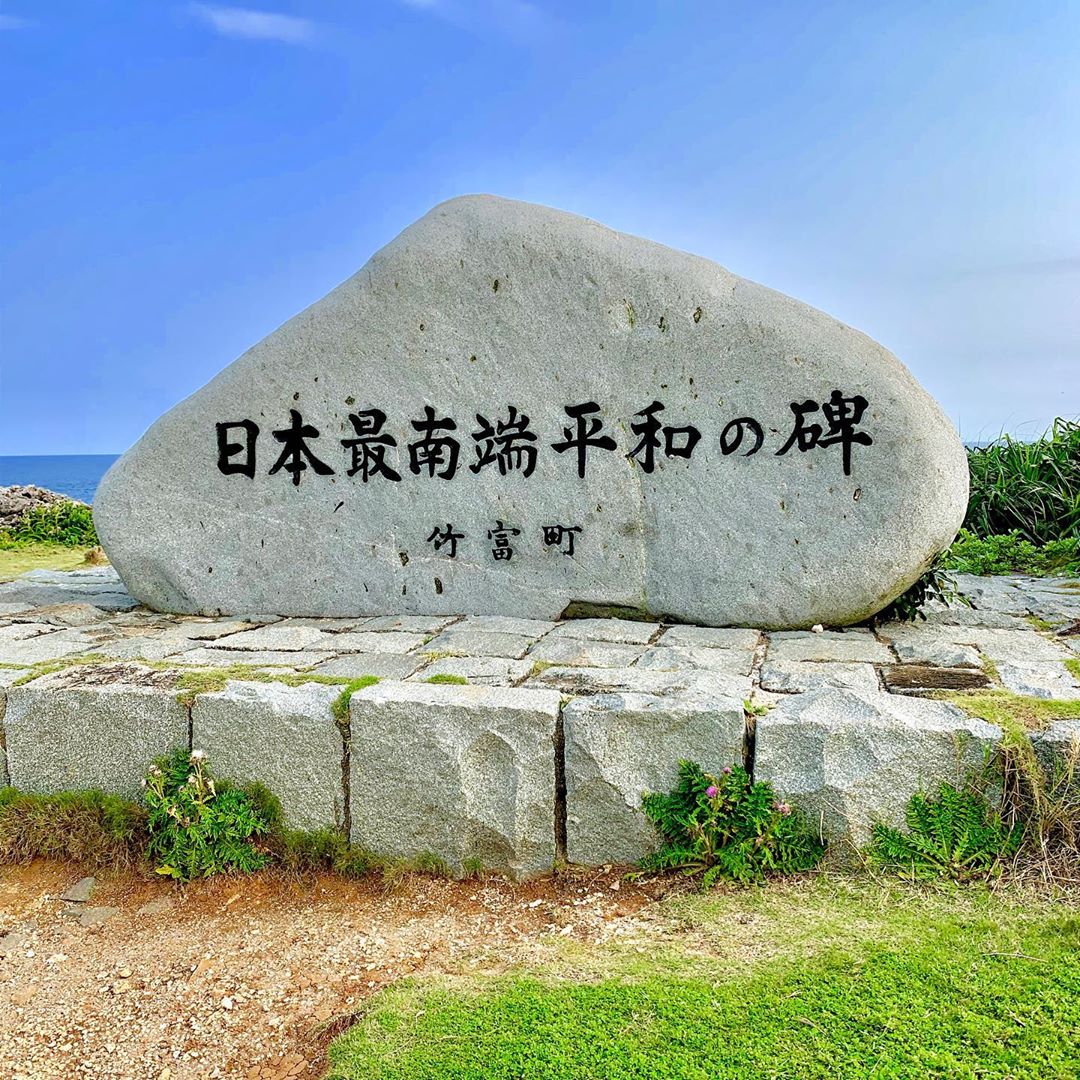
(251, 977)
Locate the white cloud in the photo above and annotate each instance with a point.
(13, 22)
(255, 25)
(518, 19)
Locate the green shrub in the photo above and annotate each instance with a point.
(69, 524)
(1028, 487)
(198, 827)
(1011, 553)
(728, 827)
(84, 826)
(953, 835)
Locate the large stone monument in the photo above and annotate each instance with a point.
(510, 409)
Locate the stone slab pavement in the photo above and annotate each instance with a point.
(514, 723)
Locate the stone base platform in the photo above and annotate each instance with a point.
(513, 742)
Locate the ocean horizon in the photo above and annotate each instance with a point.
(74, 475)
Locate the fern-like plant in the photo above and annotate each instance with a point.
(955, 834)
(199, 827)
(726, 826)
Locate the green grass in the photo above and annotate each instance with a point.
(15, 561)
(1073, 667)
(1011, 553)
(824, 979)
(1008, 710)
(67, 523)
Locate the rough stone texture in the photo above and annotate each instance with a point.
(859, 646)
(381, 665)
(1040, 680)
(469, 772)
(43, 648)
(793, 677)
(579, 652)
(279, 638)
(483, 670)
(100, 586)
(937, 645)
(470, 642)
(736, 661)
(62, 736)
(624, 630)
(17, 500)
(1058, 747)
(696, 637)
(283, 736)
(203, 657)
(694, 682)
(848, 759)
(409, 624)
(620, 746)
(484, 303)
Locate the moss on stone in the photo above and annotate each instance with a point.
(1007, 710)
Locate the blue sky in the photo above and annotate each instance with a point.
(180, 178)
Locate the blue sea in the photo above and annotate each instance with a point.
(74, 475)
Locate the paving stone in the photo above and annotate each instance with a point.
(482, 670)
(381, 665)
(209, 657)
(506, 624)
(1021, 646)
(64, 733)
(411, 624)
(194, 629)
(10, 607)
(849, 758)
(73, 614)
(282, 736)
(275, 639)
(9, 676)
(468, 642)
(696, 637)
(618, 747)
(859, 646)
(619, 630)
(329, 626)
(691, 683)
(390, 642)
(144, 648)
(43, 648)
(1039, 680)
(738, 662)
(465, 772)
(937, 645)
(577, 652)
(794, 677)
(21, 631)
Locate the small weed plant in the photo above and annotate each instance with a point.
(934, 585)
(726, 826)
(954, 834)
(197, 827)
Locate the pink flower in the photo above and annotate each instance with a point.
(712, 791)
(726, 770)
(782, 808)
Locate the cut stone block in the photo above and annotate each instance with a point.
(275, 639)
(506, 624)
(791, 677)
(410, 624)
(483, 670)
(208, 657)
(696, 682)
(471, 642)
(1020, 647)
(577, 652)
(1058, 747)
(618, 747)
(144, 648)
(1047, 680)
(936, 645)
(44, 648)
(391, 642)
(77, 729)
(678, 658)
(283, 736)
(381, 665)
(858, 646)
(696, 637)
(620, 630)
(848, 759)
(464, 772)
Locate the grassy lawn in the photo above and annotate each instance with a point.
(17, 560)
(829, 978)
